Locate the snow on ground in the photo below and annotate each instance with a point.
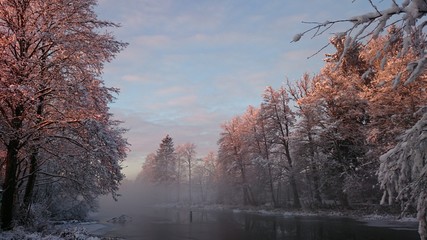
(373, 220)
(68, 234)
(389, 221)
(359, 216)
(71, 230)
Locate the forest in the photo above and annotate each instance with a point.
(313, 142)
(350, 137)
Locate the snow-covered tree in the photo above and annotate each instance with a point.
(344, 116)
(187, 152)
(386, 118)
(408, 17)
(52, 58)
(307, 131)
(260, 144)
(209, 177)
(165, 162)
(148, 168)
(403, 172)
(91, 167)
(159, 172)
(234, 157)
(279, 120)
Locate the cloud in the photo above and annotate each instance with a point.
(152, 41)
(182, 101)
(135, 78)
(227, 38)
(171, 90)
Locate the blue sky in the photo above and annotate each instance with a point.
(191, 65)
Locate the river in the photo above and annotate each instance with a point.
(178, 224)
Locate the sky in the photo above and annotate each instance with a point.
(192, 65)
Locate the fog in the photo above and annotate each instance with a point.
(135, 197)
(140, 203)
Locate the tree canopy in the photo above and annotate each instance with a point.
(54, 114)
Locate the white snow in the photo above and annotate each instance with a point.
(297, 37)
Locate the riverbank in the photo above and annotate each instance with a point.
(360, 213)
(71, 230)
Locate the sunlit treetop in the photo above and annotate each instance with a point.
(408, 18)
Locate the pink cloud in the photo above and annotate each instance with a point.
(182, 101)
(171, 90)
(135, 78)
(227, 38)
(153, 41)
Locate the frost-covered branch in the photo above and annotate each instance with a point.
(408, 13)
(61, 176)
(402, 171)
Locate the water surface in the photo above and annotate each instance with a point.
(177, 224)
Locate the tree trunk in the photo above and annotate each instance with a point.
(9, 185)
(273, 197)
(179, 181)
(33, 162)
(202, 191)
(253, 202)
(278, 194)
(246, 194)
(314, 171)
(344, 200)
(296, 200)
(248, 197)
(31, 181)
(316, 187)
(189, 181)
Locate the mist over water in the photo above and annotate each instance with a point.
(133, 198)
(170, 222)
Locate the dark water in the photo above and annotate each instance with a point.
(173, 224)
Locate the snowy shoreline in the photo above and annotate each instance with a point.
(91, 230)
(358, 215)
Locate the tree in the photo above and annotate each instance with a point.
(307, 130)
(279, 120)
(344, 118)
(187, 151)
(209, 176)
(410, 14)
(165, 161)
(52, 58)
(386, 118)
(403, 172)
(260, 144)
(159, 171)
(148, 168)
(74, 175)
(233, 157)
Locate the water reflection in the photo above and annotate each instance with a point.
(170, 224)
(316, 228)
